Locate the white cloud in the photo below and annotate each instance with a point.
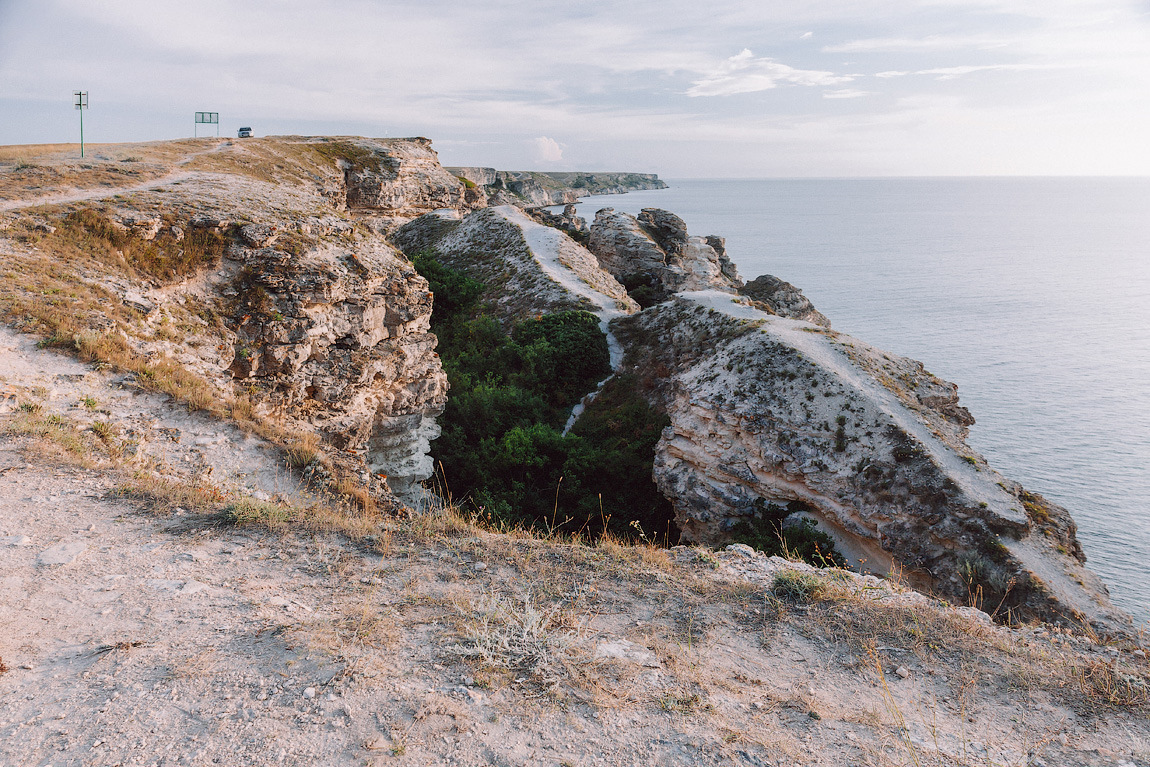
(846, 93)
(617, 83)
(546, 149)
(950, 73)
(744, 73)
(915, 44)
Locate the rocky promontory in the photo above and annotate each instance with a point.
(536, 188)
(223, 366)
(771, 409)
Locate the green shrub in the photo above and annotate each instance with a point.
(767, 533)
(502, 449)
(797, 587)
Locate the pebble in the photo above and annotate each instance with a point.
(309, 692)
(480, 565)
(741, 548)
(902, 672)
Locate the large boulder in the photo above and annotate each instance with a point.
(784, 299)
(654, 249)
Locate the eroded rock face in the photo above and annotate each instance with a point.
(656, 248)
(403, 179)
(767, 409)
(341, 336)
(784, 299)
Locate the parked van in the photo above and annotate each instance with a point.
(245, 133)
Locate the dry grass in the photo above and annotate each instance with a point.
(88, 234)
(527, 639)
(1104, 682)
(52, 296)
(302, 449)
(56, 437)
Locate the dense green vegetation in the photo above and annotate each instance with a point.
(504, 457)
(767, 533)
(502, 452)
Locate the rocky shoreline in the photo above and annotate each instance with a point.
(315, 316)
(541, 189)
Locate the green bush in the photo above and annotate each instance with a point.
(797, 587)
(502, 449)
(767, 533)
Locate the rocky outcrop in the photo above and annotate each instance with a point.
(655, 250)
(784, 299)
(527, 268)
(341, 336)
(399, 177)
(568, 221)
(266, 274)
(766, 409)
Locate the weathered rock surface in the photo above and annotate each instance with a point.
(402, 178)
(656, 249)
(527, 268)
(310, 316)
(784, 299)
(569, 220)
(768, 409)
(342, 334)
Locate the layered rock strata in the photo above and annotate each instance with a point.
(770, 410)
(305, 314)
(401, 178)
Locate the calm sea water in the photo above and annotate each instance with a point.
(1033, 295)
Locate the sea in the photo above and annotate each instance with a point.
(1031, 294)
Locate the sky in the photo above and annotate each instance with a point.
(683, 88)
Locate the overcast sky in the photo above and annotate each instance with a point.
(684, 88)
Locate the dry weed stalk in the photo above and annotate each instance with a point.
(538, 642)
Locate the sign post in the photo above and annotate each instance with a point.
(81, 103)
(206, 118)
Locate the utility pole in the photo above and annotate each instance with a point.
(81, 103)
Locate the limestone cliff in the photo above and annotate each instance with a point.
(261, 267)
(339, 336)
(769, 406)
(400, 178)
(535, 188)
(770, 410)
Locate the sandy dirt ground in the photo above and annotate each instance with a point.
(136, 636)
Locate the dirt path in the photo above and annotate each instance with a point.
(104, 192)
